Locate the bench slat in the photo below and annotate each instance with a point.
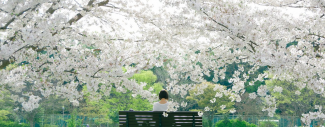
(155, 118)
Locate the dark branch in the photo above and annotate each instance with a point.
(51, 10)
(90, 2)
(4, 63)
(111, 6)
(8, 23)
(75, 18)
(44, 64)
(97, 72)
(216, 21)
(317, 35)
(22, 12)
(103, 3)
(251, 45)
(292, 3)
(3, 10)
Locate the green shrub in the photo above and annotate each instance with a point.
(12, 124)
(73, 121)
(233, 123)
(205, 122)
(268, 124)
(50, 125)
(3, 115)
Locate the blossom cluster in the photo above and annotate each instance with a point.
(307, 118)
(32, 103)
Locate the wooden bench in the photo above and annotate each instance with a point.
(156, 119)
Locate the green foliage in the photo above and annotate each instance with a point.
(109, 106)
(205, 122)
(203, 100)
(248, 106)
(50, 125)
(11, 66)
(53, 105)
(39, 117)
(6, 107)
(145, 76)
(12, 124)
(268, 124)
(96, 109)
(73, 122)
(123, 102)
(233, 123)
(288, 103)
(292, 43)
(254, 87)
(161, 74)
(6, 102)
(157, 87)
(3, 115)
(124, 69)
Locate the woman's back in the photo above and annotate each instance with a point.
(160, 107)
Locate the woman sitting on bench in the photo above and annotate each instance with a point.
(163, 103)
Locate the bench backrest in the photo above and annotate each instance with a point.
(156, 119)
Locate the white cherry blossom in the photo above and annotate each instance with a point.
(278, 89)
(213, 100)
(183, 104)
(31, 104)
(298, 92)
(200, 113)
(232, 110)
(223, 107)
(165, 114)
(206, 109)
(261, 91)
(252, 95)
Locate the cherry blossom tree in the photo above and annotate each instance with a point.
(61, 45)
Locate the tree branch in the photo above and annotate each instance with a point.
(240, 37)
(216, 21)
(77, 17)
(44, 64)
(97, 72)
(22, 12)
(4, 63)
(51, 10)
(317, 35)
(103, 3)
(4, 11)
(90, 2)
(292, 3)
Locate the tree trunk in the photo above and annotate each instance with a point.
(210, 118)
(31, 118)
(31, 123)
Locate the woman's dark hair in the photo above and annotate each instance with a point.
(163, 94)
